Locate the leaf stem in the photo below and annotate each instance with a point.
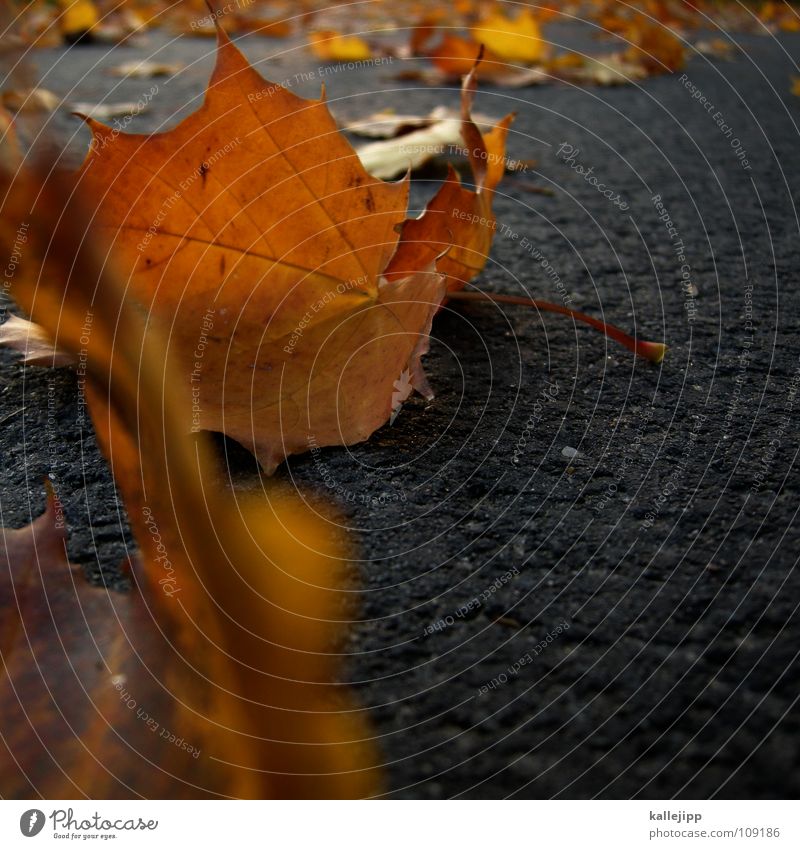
(653, 351)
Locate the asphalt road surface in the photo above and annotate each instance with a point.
(578, 569)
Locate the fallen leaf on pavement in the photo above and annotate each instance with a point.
(456, 55)
(654, 46)
(516, 39)
(393, 157)
(145, 70)
(262, 210)
(214, 676)
(104, 111)
(30, 100)
(716, 48)
(457, 228)
(610, 70)
(37, 347)
(331, 46)
(387, 124)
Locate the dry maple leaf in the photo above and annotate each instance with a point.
(214, 675)
(264, 258)
(254, 236)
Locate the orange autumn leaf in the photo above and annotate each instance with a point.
(654, 47)
(255, 237)
(456, 55)
(424, 31)
(213, 676)
(790, 22)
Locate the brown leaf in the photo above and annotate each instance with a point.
(214, 675)
(254, 235)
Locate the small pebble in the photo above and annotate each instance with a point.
(568, 452)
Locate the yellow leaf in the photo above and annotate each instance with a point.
(513, 39)
(331, 46)
(77, 16)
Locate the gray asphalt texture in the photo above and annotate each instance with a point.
(619, 623)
